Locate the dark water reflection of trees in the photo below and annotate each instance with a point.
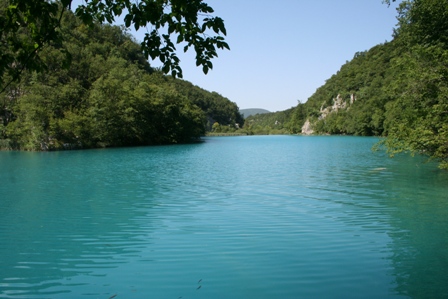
(418, 205)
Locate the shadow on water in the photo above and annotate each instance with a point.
(408, 199)
(418, 205)
(403, 197)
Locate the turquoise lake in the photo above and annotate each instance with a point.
(232, 217)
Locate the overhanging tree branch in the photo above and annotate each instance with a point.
(185, 21)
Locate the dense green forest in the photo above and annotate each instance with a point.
(107, 95)
(269, 123)
(398, 89)
(91, 84)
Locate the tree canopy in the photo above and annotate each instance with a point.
(107, 96)
(28, 26)
(398, 89)
(417, 119)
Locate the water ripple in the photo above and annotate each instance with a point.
(244, 217)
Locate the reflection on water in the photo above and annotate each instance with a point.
(420, 230)
(239, 217)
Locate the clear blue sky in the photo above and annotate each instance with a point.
(282, 51)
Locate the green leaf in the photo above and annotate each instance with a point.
(128, 20)
(166, 68)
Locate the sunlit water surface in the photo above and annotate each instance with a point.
(233, 217)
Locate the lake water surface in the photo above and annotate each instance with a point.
(233, 217)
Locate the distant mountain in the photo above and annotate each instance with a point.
(252, 111)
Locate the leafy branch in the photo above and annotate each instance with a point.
(27, 26)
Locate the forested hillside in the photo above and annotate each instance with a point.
(269, 123)
(353, 100)
(218, 109)
(108, 96)
(398, 90)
